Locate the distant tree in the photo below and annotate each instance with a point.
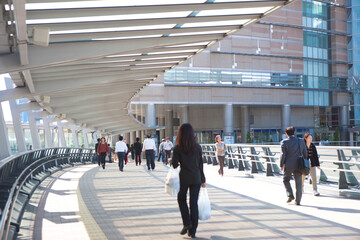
(337, 135)
(248, 138)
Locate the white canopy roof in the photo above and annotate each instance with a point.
(101, 53)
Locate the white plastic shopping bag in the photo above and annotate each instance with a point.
(204, 205)
(318, 174)
(172, 182)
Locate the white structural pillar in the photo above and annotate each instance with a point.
(228, 119)
(48, 137)
(19, 132)
(344, 123)
(285, 120)
(85, 135)
(34, 130)
(132, 137)
(150, 119)
(162, 130)
(61, 134)
(4, 143)
(169, 130)
(74, 135)
(245, 123)
(229, 124)
(184, 114)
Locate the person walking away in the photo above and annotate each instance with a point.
(168, 145)
(162, 151)
(132, 151)
(220, 153)
(150, 150)
(314, 162)
(127, 152)
(121, 149)
(188, 154)
(137, 150)
(292, 149)
(110, 152)
(96, 150)
(103, 150)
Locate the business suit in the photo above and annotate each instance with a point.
(137, 150)
(191, 176)
(289, 160)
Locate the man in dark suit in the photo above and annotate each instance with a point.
(291, 149)
(137, 150)
(96, 150)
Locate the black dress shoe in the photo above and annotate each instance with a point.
(290, 199)
(192, 235)
(185, 229)
(297, 203)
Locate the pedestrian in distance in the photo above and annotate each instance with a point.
(102, 151)
(110, 153)
(137, 150)
(220, 153)
(168, 145)
(149, 148)
(314, 162)
(96, 150)
(188, 154)
(121, 149)
(293, 150)
(127, 152)
(162, 151)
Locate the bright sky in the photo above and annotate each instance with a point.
(5, 105)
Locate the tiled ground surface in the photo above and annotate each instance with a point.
(91, 203)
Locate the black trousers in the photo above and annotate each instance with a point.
(150, 159)
(102, 158)
(138, 158)
(192, 217)
(298, 184)
(121, 157)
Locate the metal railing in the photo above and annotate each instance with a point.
(338, 164)
(21, 174)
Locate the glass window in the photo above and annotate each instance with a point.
(306, 97)
(311, 98)
(355, 12)
(316, 98)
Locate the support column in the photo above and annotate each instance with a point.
(344, 123)
(285, 120)
(245, 123)
(150, 119)
(75, 137)
(4, 143)
(162, 124)
(19, 132)
(184, 114)
(48, 137)
(132, 137)
(86, 141)
(61, 134)
(169, 130)
(228, 124)
(34, 131)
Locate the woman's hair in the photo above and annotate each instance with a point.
(102, 139)
(185, 139)
(307, 135)
(216, 138)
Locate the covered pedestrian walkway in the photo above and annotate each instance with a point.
(87, 202)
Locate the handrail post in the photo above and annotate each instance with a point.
(253, 159)
(269, 170)
(342, 178)
(241, 162)
(230, 157)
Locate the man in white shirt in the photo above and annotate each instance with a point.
(150, 149)
(121, 149)
(168, 145)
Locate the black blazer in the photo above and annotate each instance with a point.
(314, 159)
(191, 165)
(290, 153)
(137, 148)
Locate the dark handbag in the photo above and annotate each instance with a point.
(304, 164)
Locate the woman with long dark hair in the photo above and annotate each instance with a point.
(102, 150)
(314, 162)
(187, 152)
